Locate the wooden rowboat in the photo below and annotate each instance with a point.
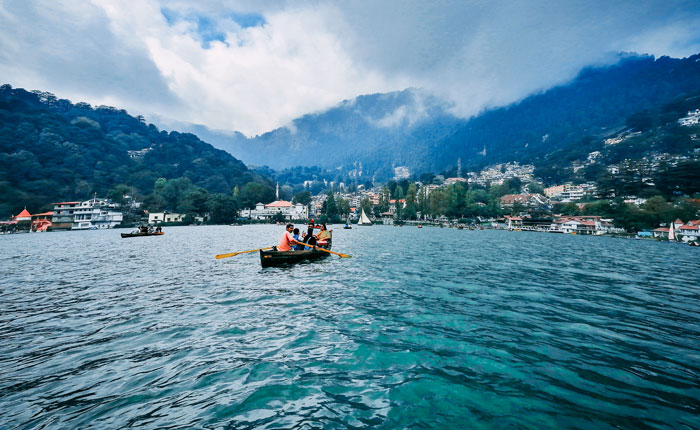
(125, 235)
(278, 258)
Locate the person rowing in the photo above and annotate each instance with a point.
(287, 239)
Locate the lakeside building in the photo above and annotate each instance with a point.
(267, 211)
(585, 224)
(96, 214)
(161, 217)
(63, 213)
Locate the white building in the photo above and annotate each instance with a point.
(268, 211)
(96, 214)
(161, 217)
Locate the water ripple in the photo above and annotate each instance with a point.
(433, 328)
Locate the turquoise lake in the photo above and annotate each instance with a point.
(421, 328)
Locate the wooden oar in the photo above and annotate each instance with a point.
(325, 250)
(232, 254)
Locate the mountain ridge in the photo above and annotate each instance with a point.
(598, 100)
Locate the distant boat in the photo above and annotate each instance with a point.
(364, 219)
(420, 226)
(125, 235)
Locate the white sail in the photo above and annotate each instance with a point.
(364, 219)
(671, 234)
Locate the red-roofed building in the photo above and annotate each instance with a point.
(513, 222)
(689, 233)
(585, 224)
(22, 216)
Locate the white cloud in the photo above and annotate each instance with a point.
(208, 68)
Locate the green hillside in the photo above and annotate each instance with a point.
(53, 150)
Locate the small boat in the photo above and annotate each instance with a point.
(125, 235)
(420, 226)
(347, 227)
(693, 243)
(279, 258)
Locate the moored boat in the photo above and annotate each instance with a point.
(125, 235)
(278, 258)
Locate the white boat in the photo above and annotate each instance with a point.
(364, 219)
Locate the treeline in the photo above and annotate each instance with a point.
(182, 196)
(53, 150)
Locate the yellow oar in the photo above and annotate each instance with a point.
(325, 250)
(232, 254)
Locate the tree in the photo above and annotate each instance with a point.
(535, 188)
(255, 192)
(640, 121)
(303, 197)
(343, 207)
(222, 209)
(117, 193)
(331, 208)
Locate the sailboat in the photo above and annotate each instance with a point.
(671, 234)
(347, 224)
(364, 219)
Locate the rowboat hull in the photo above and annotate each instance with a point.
(125, 235)
(279, 258)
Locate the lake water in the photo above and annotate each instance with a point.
(422, 328)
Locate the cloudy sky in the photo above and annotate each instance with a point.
(253, 66)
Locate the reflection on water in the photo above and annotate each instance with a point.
(427, 327)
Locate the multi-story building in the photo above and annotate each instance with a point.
(96, 214)
(63, 213)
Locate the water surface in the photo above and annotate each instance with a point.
(422, 328)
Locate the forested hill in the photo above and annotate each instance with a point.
(53, 150)
(407, 128)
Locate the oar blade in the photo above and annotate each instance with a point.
(233, 254)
